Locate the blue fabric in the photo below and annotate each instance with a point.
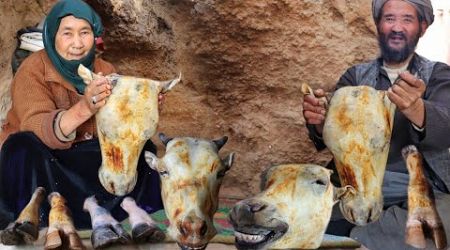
(26, 163)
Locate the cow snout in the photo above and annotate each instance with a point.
(244, 212)
(193, 226)
(360, 213)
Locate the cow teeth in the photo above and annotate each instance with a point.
(250, 238)
(197, 248)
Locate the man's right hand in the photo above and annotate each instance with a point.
(314, 109)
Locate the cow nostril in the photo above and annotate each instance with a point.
(257, 207)
(182, 230)
(203, 229)
(369, 216)
(352, 216)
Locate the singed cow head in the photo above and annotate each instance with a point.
(191, 173)
(292, 211)
(357, 130)
(124, 124)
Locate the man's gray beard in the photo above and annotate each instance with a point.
(396, 56)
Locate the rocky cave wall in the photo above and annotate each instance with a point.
(242, 65)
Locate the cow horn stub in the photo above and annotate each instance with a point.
(220, 142)
(164, 139)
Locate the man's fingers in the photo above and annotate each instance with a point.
(311, 100)
(411, 79)
(396, 99)
(319, 93)
(313, 118)
(400, 91)
(313, 108)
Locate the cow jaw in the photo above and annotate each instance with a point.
(256, 223)
(292, 211)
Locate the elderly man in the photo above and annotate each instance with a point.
(421, 94)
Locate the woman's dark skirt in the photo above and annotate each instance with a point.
(26, 163)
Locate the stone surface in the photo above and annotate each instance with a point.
(242, 62)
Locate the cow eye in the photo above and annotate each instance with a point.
(164, 173)
(320, 182)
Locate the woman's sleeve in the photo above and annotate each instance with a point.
(33, 102)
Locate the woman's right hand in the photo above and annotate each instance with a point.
(314, 109)
(96, 93)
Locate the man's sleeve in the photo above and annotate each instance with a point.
(437, 109)
(348, 78)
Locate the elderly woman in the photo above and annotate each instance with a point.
(49, 138)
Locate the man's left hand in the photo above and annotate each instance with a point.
(407, 94)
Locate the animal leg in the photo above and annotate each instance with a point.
(26, 227)
(61, 233)
(144, 229)
(106, 230)
(422, 213)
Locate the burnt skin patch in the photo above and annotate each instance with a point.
(214, 167)
(177, 212)
(179, 144)
(270, 183)
(114, 157)
(142, 88)
(124, 111)
(415, 168)
(347, 175)
(342, 119)
(184, 158)
(365, 96)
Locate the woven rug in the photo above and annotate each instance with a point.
(225, 232)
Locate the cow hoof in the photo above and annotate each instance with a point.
(9, 236)
(124, 237)
(146, 233)
(53, 240)
(108, 235)
(28, 231)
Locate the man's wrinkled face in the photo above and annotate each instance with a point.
(74, 38)
(399, 30)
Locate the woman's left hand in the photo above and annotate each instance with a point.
(97, 92)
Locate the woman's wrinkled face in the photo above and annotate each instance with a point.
(74, 38)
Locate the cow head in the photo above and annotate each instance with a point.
(292, 211)
(357, 130)
(124, 124)
(191, 173)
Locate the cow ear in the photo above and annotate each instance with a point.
(85, 74)
(341, 192)
(164, 139)
(220, 142)
(167, 85)
(151, 159)
(228, 161)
